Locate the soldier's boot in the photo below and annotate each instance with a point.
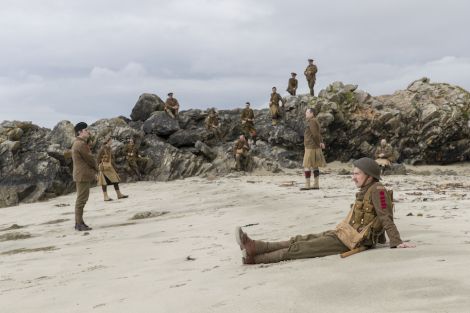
(106, 197)
(274, 122)
(307, 180)
(238, 162)
(120, 195)
(269, 257)
(316, 179)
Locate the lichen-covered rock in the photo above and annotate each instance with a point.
(145, 106)
(161, 124)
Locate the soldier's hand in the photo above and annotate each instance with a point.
(322, 145)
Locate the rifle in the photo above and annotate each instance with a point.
(353, 251)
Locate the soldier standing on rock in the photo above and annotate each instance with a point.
(313, 156)
(292, 84)
(370, 218)
(107, 174)
(248, 125)
(310, 73)
(172, 106)
(240, 152)
(274, 106)
(84, 172)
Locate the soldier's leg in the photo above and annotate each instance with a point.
(118, 192)
(254, 247)
(83, 192)
(311, 83)
(307, 174)
(238, 161)
(316, 245)
(105, 193)
(316, 178)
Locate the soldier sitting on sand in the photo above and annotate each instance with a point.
(370, 218)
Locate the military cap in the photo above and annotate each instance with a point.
(170, 94)
(310, 60)
(295, 74)
(80, 126)
(368, 166)
(247, 102)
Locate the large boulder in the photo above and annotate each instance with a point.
(145, 106)
(161, 124)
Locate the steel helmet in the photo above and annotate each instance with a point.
(368, 166)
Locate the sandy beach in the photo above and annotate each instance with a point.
(170, 248)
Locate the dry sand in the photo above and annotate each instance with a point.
(187, 260)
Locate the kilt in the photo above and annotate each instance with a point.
(314, 158)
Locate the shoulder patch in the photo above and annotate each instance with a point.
(383, 201)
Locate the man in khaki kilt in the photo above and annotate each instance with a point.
(84, 172)
(369, 219)
(107, 174)
(313, 157)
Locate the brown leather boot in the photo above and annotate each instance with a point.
(245, 242)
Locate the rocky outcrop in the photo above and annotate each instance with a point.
(426, 123)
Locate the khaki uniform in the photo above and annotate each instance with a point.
(274, 107)
(292, 86)
(247, 120)
(313, 156)
(387, 157)
(106, 167)
(84, 173)
(172, 106)
(310, 73)
(240, 151)
(134, 160)
(373, 205)
(212, 122)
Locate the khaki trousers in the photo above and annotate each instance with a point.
(83, 192)
(315, 245)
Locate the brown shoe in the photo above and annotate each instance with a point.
(247, 259)
(245, 242)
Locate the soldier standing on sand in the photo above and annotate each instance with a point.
(274, 106)
(292, 84)
(313, 156)
(310, 73)
(84, 172)
(172, 106)
(107, 174)
(369, 219)
(248, 125)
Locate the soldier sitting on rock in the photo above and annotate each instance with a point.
(172, 106)
(212, 123)
(241, 150)
(135, 160)
(384, 155)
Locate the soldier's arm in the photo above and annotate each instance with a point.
(384, 210)
(87, 156)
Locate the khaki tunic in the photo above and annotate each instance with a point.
(241, 147)
(387, 151)
(292, 86)
(172, 104)
(311, 72)
(106, 167)
(247, 119)
(212, 121)
(274, 105)
(84, 164)
(313, 156)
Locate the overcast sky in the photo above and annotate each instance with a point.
(91, 59)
